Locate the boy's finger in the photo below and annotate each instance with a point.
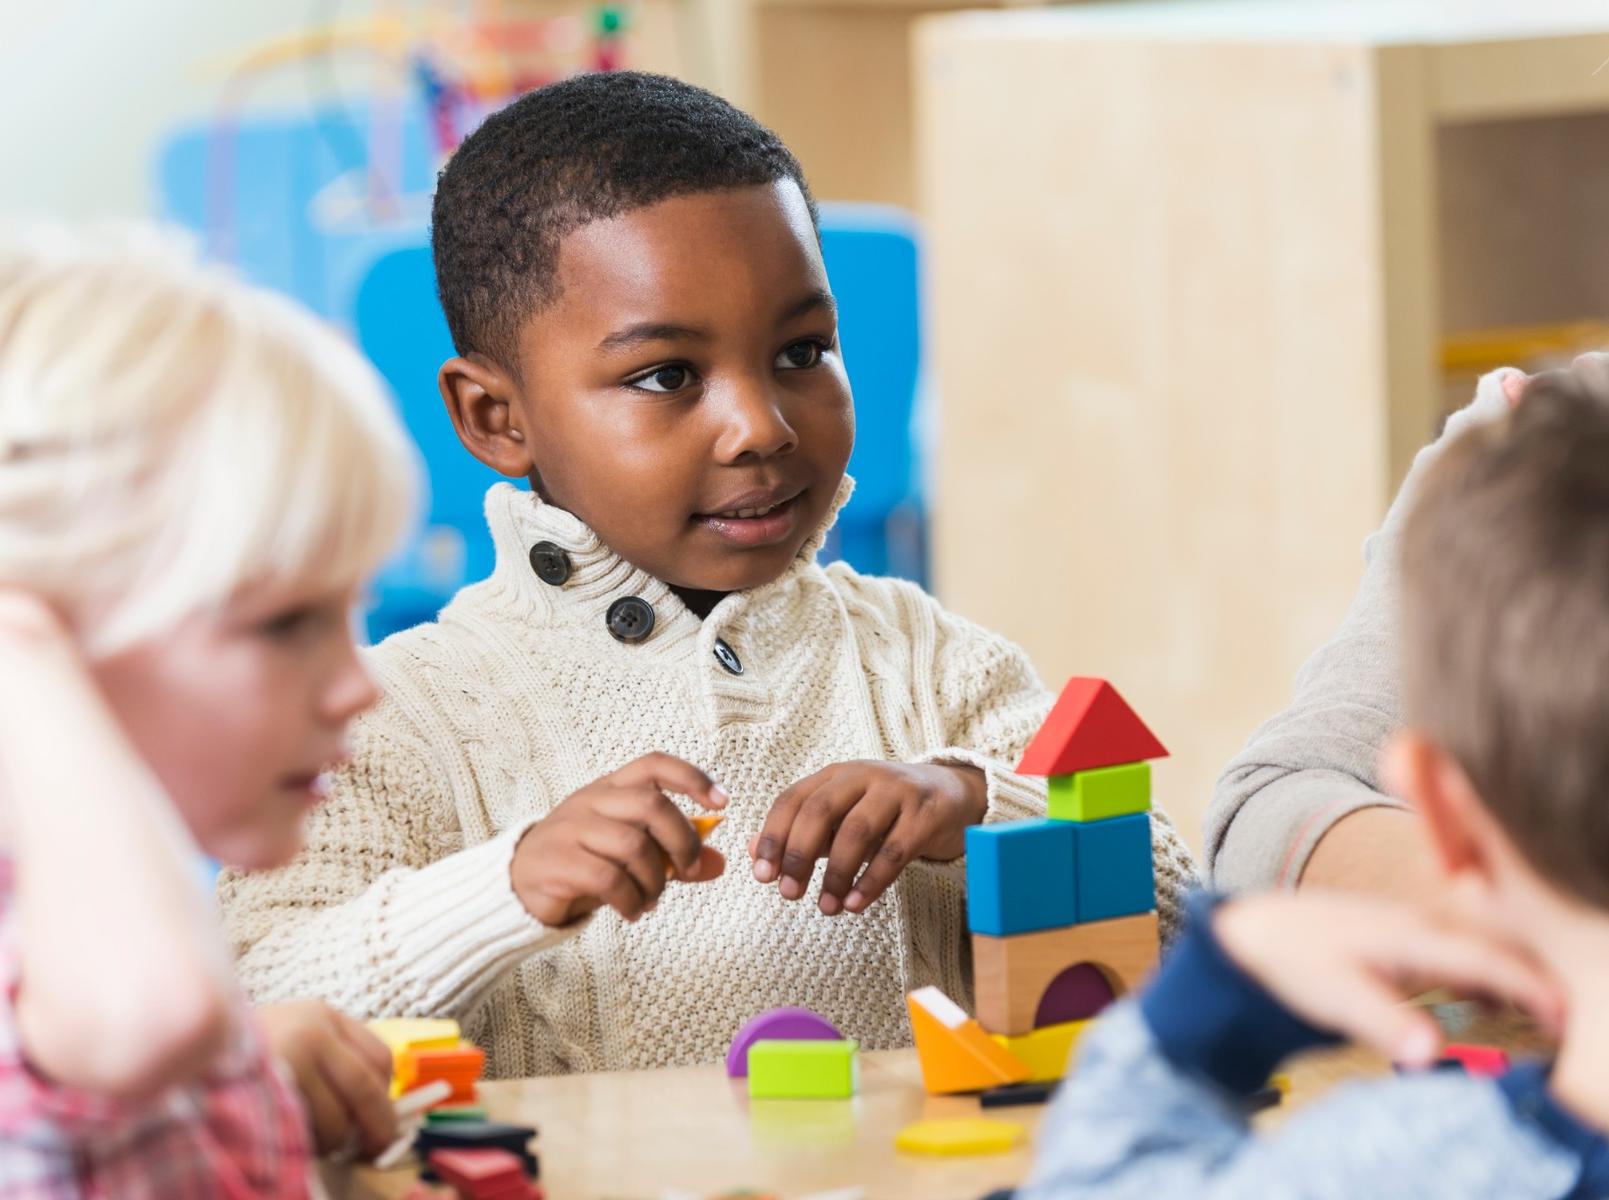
(650, 809)
(1363, 1009)
(325, 1113)
(859, 836)
(892, 857)
(366, 1100)
(633, 850)
(773, 836)
(366, 1046)
(812, 833)
(671, 774)
(1470, 963)
(710, 864)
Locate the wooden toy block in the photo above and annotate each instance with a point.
(1047, 1051)
(478, 1135)
(777, 1024)
(450, 1113)
(955, 1053)
(459, 1066)
(1115, 876)
(1011, 974)
(1020, 876)
(1091, 726)
(1101, 793)
(958, 1136)
(401, 1034)
(1014, 1095)
(803, 1068)
(1077, 994)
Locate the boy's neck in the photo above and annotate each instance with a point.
(1577, 955)
(700, 602)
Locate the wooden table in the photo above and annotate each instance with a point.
(637, 1135)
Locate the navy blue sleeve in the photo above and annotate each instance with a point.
(1210, 1018)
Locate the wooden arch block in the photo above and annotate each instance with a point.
(1010, 974)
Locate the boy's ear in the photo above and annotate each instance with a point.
(1455, 821)
(480, 402)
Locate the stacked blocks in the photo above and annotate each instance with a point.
(479, 1136)
(803, 1068)
(1062, 909)
(483, 1174)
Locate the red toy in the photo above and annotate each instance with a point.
(484, 1174)
(1477, 1060)
(1090, 727)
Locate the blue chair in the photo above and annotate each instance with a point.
(872, 258)
(401, 328)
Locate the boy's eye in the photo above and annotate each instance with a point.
(801, 355)
(672, 377)
(293, 623)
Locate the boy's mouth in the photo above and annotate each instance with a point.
(758, 519)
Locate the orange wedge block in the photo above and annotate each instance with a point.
(956, 1054)
(703, 824)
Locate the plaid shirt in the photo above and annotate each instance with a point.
(236, 1132)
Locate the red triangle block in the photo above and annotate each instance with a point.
(1091, 726)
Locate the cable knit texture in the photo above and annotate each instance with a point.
(517, 696)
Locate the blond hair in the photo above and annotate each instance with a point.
(169, 436)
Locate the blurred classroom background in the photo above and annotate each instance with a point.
(1147, 304)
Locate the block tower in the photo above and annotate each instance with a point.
(1063, 908)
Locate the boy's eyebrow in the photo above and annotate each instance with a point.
(651, 331)
(663, 331)
(819, 298)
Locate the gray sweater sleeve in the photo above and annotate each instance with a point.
(1129, 1123)
(1316, 762)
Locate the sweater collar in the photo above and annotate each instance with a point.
(598, 577)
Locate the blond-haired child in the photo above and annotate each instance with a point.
(195, 478)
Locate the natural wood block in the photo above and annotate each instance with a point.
(1010, 974)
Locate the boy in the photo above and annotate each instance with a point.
(1505, 613)
(631, 272)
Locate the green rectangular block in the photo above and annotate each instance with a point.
(804, 1069)
(1098, 795)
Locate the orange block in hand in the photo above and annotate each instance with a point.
(956, 1055)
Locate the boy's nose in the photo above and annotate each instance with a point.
(753, 425)
(350, 691)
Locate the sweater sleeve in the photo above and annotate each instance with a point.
(1316, 762)
(1156, 1108)
(381, 914)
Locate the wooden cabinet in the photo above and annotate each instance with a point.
(1190, 267)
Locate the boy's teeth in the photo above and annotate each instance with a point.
(749, 512)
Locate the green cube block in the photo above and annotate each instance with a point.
(804, 1069)
(1097, 795)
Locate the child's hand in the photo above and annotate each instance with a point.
(1346, 963)
(879, 814)
(342, 1070)
(609, 843)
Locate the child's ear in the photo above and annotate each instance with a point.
(480, 402)
(1456, 824)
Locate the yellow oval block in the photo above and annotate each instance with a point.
(963, 1135)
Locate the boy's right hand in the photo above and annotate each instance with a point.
(609, 843)
(1346, 963)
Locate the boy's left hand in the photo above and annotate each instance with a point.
(876, 814)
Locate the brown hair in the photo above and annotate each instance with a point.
(1505, 576)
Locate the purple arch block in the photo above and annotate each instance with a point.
(787, 1024)
(1077, 994)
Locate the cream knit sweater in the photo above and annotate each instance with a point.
(518, 695)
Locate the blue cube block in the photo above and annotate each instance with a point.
(1021, 876)
(1114, 872)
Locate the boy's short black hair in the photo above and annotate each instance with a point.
(578, 151)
